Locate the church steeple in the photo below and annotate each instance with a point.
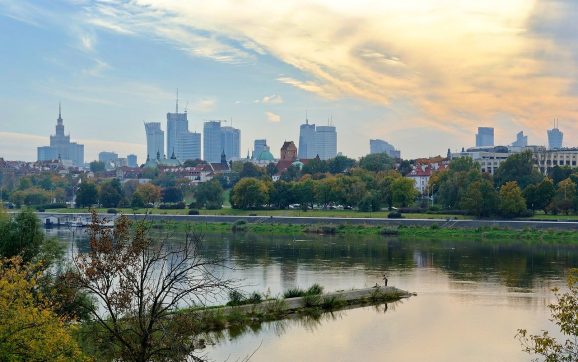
(59, 122)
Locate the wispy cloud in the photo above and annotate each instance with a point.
(273, 117)
(272, 99)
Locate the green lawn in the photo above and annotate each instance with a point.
(234, 212)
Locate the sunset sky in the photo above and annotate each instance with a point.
(420, 74)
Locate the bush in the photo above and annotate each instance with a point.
(193, 212)
(434, 226)
(434, 209)
(311, 300)
(315, 289)
(293, 293)
(112, 211)
(389, 231)
(395, 215)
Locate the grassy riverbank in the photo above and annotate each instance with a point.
(402, 232)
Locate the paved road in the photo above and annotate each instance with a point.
(304, 220)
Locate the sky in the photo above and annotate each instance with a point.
(421, 74)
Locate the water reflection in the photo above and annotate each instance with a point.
(472, 295)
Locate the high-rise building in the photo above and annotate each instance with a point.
(259, 146)
(105, 156)
(231, 142)
(61, 147)
(155, 140)
(521, 140)
(307, 141)
(217, 139)
(131, 161)
(555, 138)
(485, 137)
(212, 141)
(183, 144)
(189, 146)
(381, 146)
(326, 142)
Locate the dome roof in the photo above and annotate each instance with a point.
(265, 156)
(298, 164)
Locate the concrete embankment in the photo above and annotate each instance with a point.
(304, 220)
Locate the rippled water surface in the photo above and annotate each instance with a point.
(472, 296)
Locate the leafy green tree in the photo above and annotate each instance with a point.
(511, 200)
(480, 198)
(340, 164)
(293, 173)
(30, 196)
(250, 170)
(271, 169)
(304, 192)
(370, 202)
(97, 166)
(209, 195)
(403, 191)
(539, 196)
(376, 162)
(405, 167)
(249, 193)
(149, 193)
(281, 195)
(383, 187)
(327, 191)
(558, 173)
(137, 201)
(315, 166)
(565, 314)
(87, 194)
(172, 194)
(20, 236)
(520, 168)
(451, 185)
(565, 194)
(110, 193)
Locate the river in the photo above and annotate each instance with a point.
(472, 296)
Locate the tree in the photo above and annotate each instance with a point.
(565, 194)
(565, 314)
(192, 163)
(405, 167)
(87, 194)
(249, 193)
(369, 203)
(451, 185)
(172, 194)
(29, 329)
(110, 193)
(539, 196)
(520, 168)
(281, 196)
(315, 166)
(511, 201)
(327, 191)
(340, 164)
(21, 236)
(250, 170)
(403, 191)
(480, 199)
(376, 162)
(149, 193)
(292, 173)
(139, 319)
(209, 195)
(304, 192)
(271, 169)
(97, 166)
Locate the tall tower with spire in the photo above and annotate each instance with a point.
(183, 144)
(555, 137)
(60, 145)
(307, 140)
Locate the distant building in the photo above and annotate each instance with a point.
(381, 146)
(547, 159)
(485, 137)
(317, 141)
(555, 138)
(307, 141)
(131, 161)
(489, 158)
(288, 151)
(231, 142)
(184, 144)
(60, 146)
(258, 147)
(217, 139)
(155, 140)
(521, 140)
(105, 157)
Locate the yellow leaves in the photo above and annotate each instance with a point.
(29, 329)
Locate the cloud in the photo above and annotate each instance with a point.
(87, 42)
(203, 105)
(272, 117)
(97, 69)
(456, 62)
(272, 99)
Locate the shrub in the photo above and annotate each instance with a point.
(434, 226)
(311, 300)
(112, 211)
(293, 293)
(193, 212)
(315, 289)
(395, 215)
(389, 231)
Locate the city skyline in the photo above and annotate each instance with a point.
(366, 68)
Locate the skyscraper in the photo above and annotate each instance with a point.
(381, 146)
(258, 147)
(485, 137)
(521, 140)
(155, 140)
(555, 137)
(212, 141)
(307, 141)
(188, 146)
(105, 156)
(61, 147)
(325, 142)
(231, 142)
(183, 144)
(131, 161)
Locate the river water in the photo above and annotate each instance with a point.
(472, 296)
